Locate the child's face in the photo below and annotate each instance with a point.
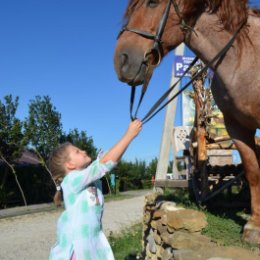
(78, 159)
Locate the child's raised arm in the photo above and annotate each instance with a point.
(116, 152)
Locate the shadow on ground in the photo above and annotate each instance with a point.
(133, 256)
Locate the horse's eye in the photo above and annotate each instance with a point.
(152, 3)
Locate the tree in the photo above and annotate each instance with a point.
(81, 140)
(130, 175)
(137, 170)
(151, 168)
(12, 141)
(43, 127)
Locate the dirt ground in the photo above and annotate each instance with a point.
(30, 237)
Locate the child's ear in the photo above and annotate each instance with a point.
(69, 165)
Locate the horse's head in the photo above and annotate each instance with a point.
(153, 28)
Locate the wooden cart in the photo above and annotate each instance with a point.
(207, 148)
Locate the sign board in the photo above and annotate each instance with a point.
(181, 63)
(217, 126)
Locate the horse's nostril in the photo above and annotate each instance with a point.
(123, 60)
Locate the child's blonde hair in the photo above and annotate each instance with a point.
(56, 165)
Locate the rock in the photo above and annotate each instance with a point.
(170, 229)
(183, 254)
(145, 228)
(167, 254)
(188, 219)
(235, 253)
(147, 217)
(158, 214)
(148, 252)
(151, 243)
(150, 199)
(157, 238)
(154, 224)
(154, 257)
(212, 252)
(184, 240)
(161, 228)
(169, 206)
(171, 233)
(219, 258)
(164, 220)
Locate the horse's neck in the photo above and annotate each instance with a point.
(209, 38)
(237, 73)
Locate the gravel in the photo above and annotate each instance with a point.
(30, 236)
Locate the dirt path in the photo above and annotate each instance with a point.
(30, 237)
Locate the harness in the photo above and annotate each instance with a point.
(157, 47)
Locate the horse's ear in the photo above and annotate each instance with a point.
(212, 5)
(191, 7)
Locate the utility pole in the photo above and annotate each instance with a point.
(164, 156)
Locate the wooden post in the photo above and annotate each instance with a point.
(162, 166)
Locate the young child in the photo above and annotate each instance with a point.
(79, 228)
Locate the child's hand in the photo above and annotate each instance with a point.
(134, 128)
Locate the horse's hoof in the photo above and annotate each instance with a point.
(251, 233)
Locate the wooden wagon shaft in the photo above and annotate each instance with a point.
(199, 123)
(217, 143)
(220, 146)
(200, 130)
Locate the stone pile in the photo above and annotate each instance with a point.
(173, 233)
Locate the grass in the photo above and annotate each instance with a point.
(128, 244)
(224, 230)
(224, 227)
(224, 224)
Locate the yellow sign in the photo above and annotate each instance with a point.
(217, 126)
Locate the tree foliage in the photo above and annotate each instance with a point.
(43, 126)
(130, 175)
(12, 140)
(81, 140)
(151, 168)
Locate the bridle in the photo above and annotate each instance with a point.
(157, 37)
(157, 47)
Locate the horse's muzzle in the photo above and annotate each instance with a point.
(132, 71)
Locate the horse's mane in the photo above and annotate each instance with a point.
(231, 12)
(255, 12)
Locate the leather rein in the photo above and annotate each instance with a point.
(157, 47)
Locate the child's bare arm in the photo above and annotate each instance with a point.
(116, 152)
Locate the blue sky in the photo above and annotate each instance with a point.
(64, 49)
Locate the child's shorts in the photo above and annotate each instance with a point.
(73, 257)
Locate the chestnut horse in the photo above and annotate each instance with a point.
(205, 26)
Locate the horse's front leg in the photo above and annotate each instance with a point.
(244, 140)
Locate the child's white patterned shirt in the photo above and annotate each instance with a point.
(79, 227)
